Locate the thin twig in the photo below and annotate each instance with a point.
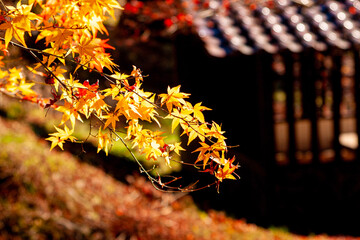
(154, 181)
(4, 6)
(39, 60)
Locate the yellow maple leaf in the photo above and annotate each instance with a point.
(175, 117)
(20, 23)
(103, 142)
(69, 113)
(192, 134)
(216, 132)
(58, 138)
(176, 148)
(173, 97)
(99, 105)
(25, 88)
(114, 90)
(198, 112)
(152, 151)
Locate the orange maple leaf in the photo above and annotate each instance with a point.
(112, 118)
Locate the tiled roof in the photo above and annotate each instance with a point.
(275, 25)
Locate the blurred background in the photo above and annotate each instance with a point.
(282, 77)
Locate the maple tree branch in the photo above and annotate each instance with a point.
(189, 123)
(153, 180)
(61, 27)
(110, 79)
(80, 99)
(30, 50)
(48, 70)
(142, 169)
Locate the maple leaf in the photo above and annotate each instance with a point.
(89, 46)
(173, 97)
(74, 83)
(216, 132)
(21, 22)
(192, 134)
(103, 142)
(58, 72)
(128, 106)
(87, 91)
(136, 73)
(176, 148)
(56, 36)
(198, 112)
(91, 50)
(53, 52)
(152, 151)
(8, 26)
(212, 152)
(99, 105)
(101, 7)
(101, 61)
(69, 113)
(57, 139)
(25, 88)
(95, 23)
(133, 128)
(114, 90)
(112, 118)
(175, 116)
(204, 154)
(227, 170)
(183, 118)
(201, 129)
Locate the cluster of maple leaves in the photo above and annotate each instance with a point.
(69, 31)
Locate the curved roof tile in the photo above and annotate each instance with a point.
(275, 25)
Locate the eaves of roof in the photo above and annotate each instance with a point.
(272, 26)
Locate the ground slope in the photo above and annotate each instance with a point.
(52, 195)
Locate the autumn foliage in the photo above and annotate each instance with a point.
(69, 31)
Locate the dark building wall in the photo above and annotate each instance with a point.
(231, 86)
(310, 198)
